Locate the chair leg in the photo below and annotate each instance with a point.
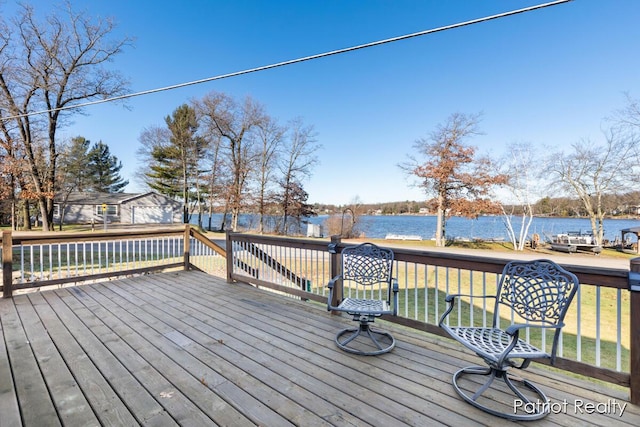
(534, 409)
(373, 335)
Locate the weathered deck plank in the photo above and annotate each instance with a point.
(35, 401)
(106, 404)
(9, 407)
(130, 391)
(187, 348)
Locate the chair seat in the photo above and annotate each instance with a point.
(364, 306)
(492, 342)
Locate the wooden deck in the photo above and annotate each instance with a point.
(186, 348)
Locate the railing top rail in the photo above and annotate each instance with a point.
(203, 239)
(320, 245)
(606, 277)
(63, 237)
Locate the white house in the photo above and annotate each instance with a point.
(123, 208)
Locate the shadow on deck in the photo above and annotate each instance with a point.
(188, 348)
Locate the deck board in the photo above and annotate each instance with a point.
(185, 348)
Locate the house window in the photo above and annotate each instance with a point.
(112, 210)
(56, 210)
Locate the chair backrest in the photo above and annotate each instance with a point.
(538, 292)
(367, 264)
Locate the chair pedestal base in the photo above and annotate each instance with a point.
(347, 336)
(533, 409)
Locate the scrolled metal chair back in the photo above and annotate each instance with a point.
(538, 291)
(367, 264)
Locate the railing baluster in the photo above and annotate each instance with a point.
(619, 329)
(31, 261)
(484, 301)
(51, 257)
(597, 325)
(41, 262)
(578, 300)
(21, 263)
(99, 257)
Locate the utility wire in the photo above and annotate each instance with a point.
(295, 61)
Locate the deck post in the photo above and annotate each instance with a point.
(334, 269)
(634, 323)
(230, 255)
(187, 246)
(7, 263)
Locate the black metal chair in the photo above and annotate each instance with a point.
(536, 295)
(368, 291)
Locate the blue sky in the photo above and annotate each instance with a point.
(546, 77)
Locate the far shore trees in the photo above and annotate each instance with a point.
(47, 66)
(459, 182)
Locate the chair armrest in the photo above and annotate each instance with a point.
(395, 288)
(333, 281)
(330, 285)
(450, 299)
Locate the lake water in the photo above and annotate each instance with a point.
(485, 227)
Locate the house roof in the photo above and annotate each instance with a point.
(95, 198)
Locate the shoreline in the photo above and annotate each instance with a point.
(580, 259)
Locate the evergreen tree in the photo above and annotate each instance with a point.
(74, 174)
(293, 201)
(104, 169)
(164, 175)
(174, 170)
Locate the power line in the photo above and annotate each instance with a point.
(295, 61)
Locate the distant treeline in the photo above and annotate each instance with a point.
(616, 205)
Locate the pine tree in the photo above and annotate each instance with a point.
(74, 174)
(104, 169)
(175, 166)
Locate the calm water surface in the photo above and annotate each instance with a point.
(485, 227)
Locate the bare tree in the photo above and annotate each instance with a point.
(298, 158)
(520, 168)
(217, 169)
(628, 117)
(12, 172)
(214, 176)
(235, 123)
(592, 171)
(346, 222)
(48, 66)
(270, 135)
(450, 171)
(151, 139)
